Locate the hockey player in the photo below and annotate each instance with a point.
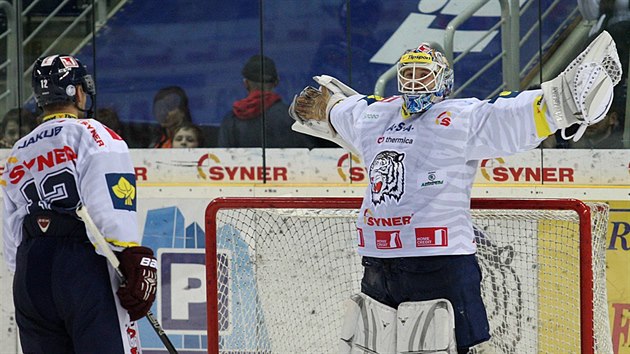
(67, 297)
(420, 291)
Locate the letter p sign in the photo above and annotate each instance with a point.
(183, 290)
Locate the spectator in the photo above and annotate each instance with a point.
(188, 135)
(110, 119)
(16, 123)
(606, 134)
(261, 112)
(170, 109)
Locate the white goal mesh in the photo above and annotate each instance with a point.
(285, 266)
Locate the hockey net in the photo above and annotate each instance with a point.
(280, 270)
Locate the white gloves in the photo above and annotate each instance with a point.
(583, 92)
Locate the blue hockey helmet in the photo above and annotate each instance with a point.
(55, 79)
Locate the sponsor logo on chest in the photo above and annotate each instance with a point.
(403, 140)
(431, 237)
(432, 178)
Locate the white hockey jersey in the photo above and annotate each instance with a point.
(421, 168)
(64, 162)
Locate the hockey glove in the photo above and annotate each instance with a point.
(316, 104)
(311, 109)
(310, 104)
(137, 293)
(583, 92)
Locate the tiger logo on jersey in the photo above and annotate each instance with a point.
(387, 176)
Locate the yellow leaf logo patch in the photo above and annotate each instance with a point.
(122, 190)
(125, 190)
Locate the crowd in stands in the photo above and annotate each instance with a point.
(15, 124)
(261, 119)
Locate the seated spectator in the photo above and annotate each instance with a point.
(15, 124)
(243, 126)
(188, 135)
(109, 117)
(170, 109)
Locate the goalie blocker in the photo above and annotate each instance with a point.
(415, 327)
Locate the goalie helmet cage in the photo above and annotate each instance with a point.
(280, 269)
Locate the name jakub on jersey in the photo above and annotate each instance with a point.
(387, 176)
(48, 133)
(46, 160)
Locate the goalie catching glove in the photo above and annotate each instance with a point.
(313, 104)
(583, 92)
(311, 109)
(137, 293)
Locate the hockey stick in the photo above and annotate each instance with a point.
(99, 241)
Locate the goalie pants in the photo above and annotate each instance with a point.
(457, 278)
(63, 295)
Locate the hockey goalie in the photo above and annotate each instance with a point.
(420, 291)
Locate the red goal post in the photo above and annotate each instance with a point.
(269, 286)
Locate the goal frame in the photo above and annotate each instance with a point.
(587, 341)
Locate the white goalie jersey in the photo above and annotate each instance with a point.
(421, 168)
(61, 164)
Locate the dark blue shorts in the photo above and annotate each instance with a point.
(392, 281)
(63, 297)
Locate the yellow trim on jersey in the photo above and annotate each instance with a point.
(59, 115)
(540, 119)
(122, 244)
(405, 113)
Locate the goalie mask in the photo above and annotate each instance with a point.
(424, 78)
(56, 78)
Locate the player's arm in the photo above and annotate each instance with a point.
(107, 187)
(12, 230)
(508, 124)
(311, 110)
(582, 95)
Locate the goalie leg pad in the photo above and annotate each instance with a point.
(368, 327)
(426, 327)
